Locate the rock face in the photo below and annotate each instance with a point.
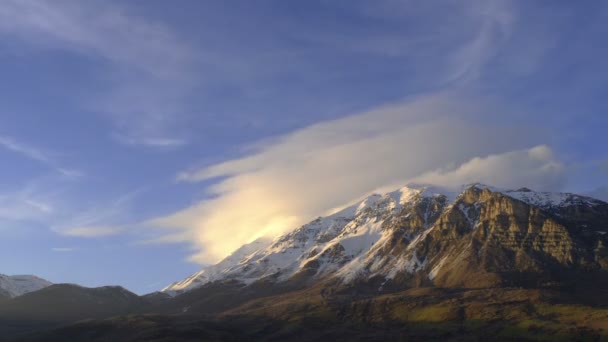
(491, 238)
(428, 236)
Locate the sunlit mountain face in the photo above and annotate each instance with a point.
(316, 170)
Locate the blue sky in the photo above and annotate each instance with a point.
(139, 140)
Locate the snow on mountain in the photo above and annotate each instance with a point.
(359, 239)
(548, 200)
(18, 285)
(217, 271)
(354, 229)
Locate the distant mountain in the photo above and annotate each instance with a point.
(17, 285)
(477, 237)
(63, 303)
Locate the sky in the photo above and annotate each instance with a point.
(141, 140)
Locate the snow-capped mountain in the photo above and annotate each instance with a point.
(217, 271)
(420, 233)
(17, 285)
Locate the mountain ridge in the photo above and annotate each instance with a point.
(379, 235)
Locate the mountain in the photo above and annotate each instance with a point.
(63, 303)
(288, 254)
(215, 272)
(17, 285)
(419, 263)
(478, 237)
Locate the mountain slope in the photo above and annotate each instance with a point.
(217, 271)
(17, 285)
(480, 236)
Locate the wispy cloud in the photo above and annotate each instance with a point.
(147, 65)
(46, 201)
(92, 231)
(100, 220)
(600, 193)
(63, 249)
(27, 151)
(38, 155)
(35, 201)
(152, 142)
(149, 69)
(495, 19)
(603, 166)
(444, 43)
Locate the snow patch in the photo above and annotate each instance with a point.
(18, 285)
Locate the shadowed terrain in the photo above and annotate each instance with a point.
(308, 315)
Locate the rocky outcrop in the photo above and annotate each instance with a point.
(488, 238)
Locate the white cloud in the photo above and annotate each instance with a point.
(535, 168)
(303, 174)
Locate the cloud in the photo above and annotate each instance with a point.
(38, 155)
(63, 249)
(600, 193)
(35, 201)
(603, 166)
(18, 207)
(444, 42)
(99, 29)
(150, 71)
(93, 222)
(92, 231)
(145, 65)
(27, 151)
(301, 175)
(535, 168)
(167, 143)
(43, 201)
(495, 20)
